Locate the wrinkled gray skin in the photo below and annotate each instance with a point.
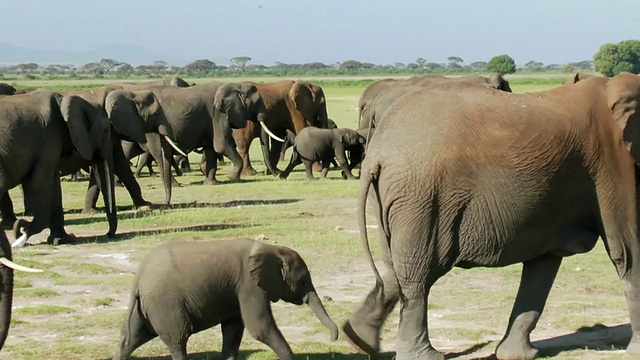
(193, 117)
(506, 178)
(377, 98)
(40, 129)
(314, 144)
(183, 288)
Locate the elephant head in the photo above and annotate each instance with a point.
(498, 82)
(282, 274)
(6, 89)
(309, 100)
(178, 82)
(90, 132)
(350, 137)
(6, 285)
(623, 95)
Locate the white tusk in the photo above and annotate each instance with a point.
(22, 240)
(173, 145)
(269, 132)
(10, 264)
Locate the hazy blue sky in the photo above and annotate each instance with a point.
(298, 31)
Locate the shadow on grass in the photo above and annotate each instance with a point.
(244, 354)
(188, 205)
(223, 182)
(598, 337)
(153, 231)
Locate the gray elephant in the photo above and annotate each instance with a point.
(40, 129)
(506, 178)
(313, 144)
(377, 98)
(6, 285)
(290, 105)
(189, 118)
(183, 288)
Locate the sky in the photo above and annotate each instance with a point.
(329, 31)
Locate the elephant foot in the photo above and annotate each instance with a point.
(91, 210)
(141, 203)
(511, 349)
(210, 182)
(249, 171)
(365, 339)
(61, 240)
(175, 183)
(282, 177)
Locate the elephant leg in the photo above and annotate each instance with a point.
(274, 156)
(135, 334)
(231, 338)
(364, 326)
(242, 145)
(293, 162)
(144, 160)
(308, 167)
(232, 154)
(57, 234)
(8, 214)
(259, 321)
(325, 168)
(344, 165)
(123, 172)
(535, 283)
(210, 167)
(92, 195)
(162, 152)
(177, 349)
(173, 325)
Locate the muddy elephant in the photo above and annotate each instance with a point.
(507, 178)
(183, 288)
(314, 144)
(377, 98)
(290, 105)
(6, 285)
(40, 129)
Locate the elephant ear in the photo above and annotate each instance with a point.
(123, 109)
(623, 94)
(74, 109)
(146, 103)
(302, 97)
(268, 270)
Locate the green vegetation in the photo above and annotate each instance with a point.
(613, 59)
(502, 64)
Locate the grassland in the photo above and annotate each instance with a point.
(75, 308)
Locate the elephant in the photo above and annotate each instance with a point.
(372, 107)
(6, 89)
(506, 178)
(290, 105)
(186, 287)
(6, 285)
(314, 144)
(144, 85)
(41, 129)
(193, 117)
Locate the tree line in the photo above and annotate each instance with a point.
(609, 60)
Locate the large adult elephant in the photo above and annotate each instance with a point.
(290, 105)
(39, 130)
(142, 85)
(377, 98)
(507, 178)
(200, 116)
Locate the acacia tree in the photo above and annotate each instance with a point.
(200, 66)
(502, 64)
(612, 59)
(454, 62)
(240, 61)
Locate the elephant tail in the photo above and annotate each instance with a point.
(132, 326)
(368, 179)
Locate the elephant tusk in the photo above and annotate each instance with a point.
(10, 264)
(22, 240)
(269, 132)
(173, 145)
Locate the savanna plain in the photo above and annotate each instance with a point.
(75, 308)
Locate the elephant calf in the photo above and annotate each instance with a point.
(183, 288)
(315, 144)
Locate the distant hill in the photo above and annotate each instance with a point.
(132, 54)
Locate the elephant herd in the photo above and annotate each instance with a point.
(459, 172)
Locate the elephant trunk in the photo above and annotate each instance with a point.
(6, 292)
(165, 165)
(315, 304)
(104, 176)
(323, 118)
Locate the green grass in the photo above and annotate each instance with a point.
(75, 309)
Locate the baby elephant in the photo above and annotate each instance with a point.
(315, 144)
(183, 288)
